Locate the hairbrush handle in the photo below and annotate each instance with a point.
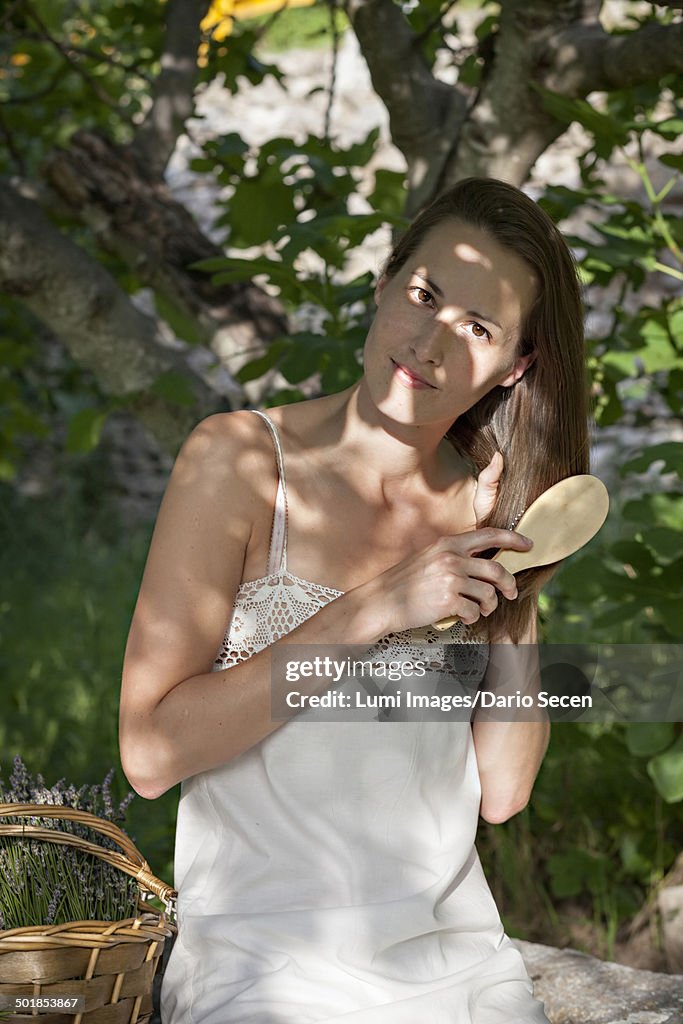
(559, 522)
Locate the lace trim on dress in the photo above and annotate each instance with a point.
(266, 610)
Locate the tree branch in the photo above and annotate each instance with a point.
(80, 301)
(587, 59)
(425, 114)
(560, 44)
(507, 128)
(173, 92)
(137, 219)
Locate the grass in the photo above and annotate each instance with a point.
(69, 575)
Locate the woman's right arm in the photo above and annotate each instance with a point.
(177, 716)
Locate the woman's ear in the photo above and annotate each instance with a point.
(379, 288)
(521, 365)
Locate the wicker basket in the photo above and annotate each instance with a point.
(111, 963)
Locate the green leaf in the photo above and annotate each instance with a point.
(233, 269)
(632, 553)
(343, 368)
(667, 544)
(470, 71)
(256, 212)
(287, 396)
(665, 509)
(666, 771)
(389, 193)
(672, 160)
(625, 362)
(174, 387)
(229, 146)
(212, 263)
(360, 153)
(671, 613)
(634, 862)
(559, 202)
(307, 354)
(255, 368)
(647, 738)
(202, 165)
(182, 325)
(355, 291)
(668, 452)
(608, 131)
(85, 430)
(671, 128)
(572, 872)
(312, 235)
(488, 25)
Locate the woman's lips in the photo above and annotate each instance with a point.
(409, 378)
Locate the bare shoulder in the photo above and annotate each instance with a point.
(228, 443)
(228, 456)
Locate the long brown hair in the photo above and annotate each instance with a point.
(540, 423)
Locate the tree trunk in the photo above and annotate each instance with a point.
(82, 303)
(135, 218)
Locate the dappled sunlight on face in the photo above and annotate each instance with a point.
(469, 254)
(448, 326)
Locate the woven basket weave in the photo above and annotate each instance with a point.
(110, 963)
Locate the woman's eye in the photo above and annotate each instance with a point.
(479, 331)
(422, 295)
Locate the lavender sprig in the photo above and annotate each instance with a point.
(44, 883)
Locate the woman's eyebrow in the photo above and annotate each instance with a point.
(470, 312)
(484, 316)
(434, 287)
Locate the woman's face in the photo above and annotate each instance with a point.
(447, 326)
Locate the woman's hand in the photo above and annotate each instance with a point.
(445, 579)
(487, 488)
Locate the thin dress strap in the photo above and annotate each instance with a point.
(277, 554)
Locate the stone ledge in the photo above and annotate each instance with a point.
(580, 989)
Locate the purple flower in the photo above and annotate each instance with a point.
(52, 906)
(20, 782)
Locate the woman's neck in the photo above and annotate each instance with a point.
(396, 459)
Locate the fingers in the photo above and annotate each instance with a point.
(493, 574)
(476, 577)
(490, 537)
(479, 598)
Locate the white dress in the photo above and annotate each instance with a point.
(329, 873)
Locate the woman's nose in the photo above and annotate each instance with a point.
(429, 346)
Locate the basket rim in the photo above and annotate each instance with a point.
(156, 917)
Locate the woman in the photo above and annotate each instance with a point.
(326, 870)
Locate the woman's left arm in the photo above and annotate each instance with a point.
(509, 752)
